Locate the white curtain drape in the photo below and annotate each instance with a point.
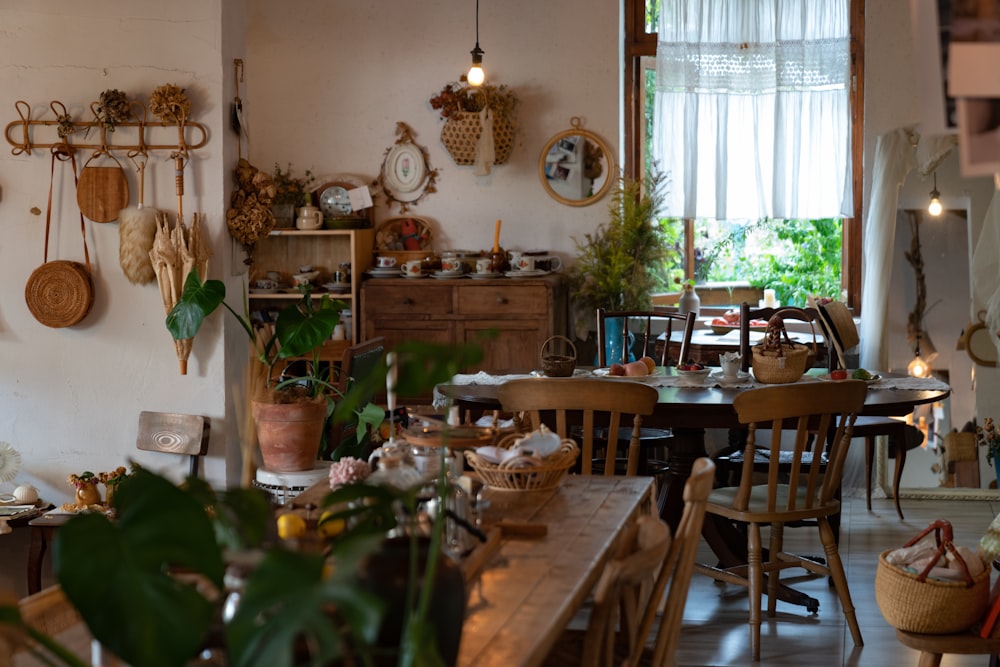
(752, 113)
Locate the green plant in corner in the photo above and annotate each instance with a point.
(161, 566)
(624, 261)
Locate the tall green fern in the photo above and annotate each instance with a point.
(624, 261)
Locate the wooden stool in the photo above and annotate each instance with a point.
(933, 647)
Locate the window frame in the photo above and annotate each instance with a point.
(639, 44)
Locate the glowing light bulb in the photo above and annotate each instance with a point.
(918, 368)
(476, 75)
(935, 207)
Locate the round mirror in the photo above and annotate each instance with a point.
(576, 167)
(979, 344)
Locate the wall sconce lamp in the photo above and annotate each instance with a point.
(935, 206)
(476, 75)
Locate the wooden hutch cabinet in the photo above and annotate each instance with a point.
(285, 250)
(524, 312)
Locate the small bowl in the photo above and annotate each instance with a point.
(694, 376)
(305, 278)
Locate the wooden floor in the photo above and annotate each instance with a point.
(715, 628)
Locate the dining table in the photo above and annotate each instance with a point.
(688, 406)
(553, 550)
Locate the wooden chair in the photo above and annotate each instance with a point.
(630, 593)
(933, 647)
(49, 612)
(809, 494)
(647, 324)
(592, 404)
(174, 433)
(357, 361)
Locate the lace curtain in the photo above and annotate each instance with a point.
(752, 110)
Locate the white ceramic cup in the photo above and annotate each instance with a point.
(515, 258)
(451, 264)
(413, 267)
(484, 265)
(526, 263)
(730, 367)
(385, 262)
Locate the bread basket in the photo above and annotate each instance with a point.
(524, 473)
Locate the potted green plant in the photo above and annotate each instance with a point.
(624, 261)
(291, 414)
(244, 596)
(290, 192)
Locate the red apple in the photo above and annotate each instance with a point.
(839, 374)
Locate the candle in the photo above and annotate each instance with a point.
(769, 298)
(496, 238)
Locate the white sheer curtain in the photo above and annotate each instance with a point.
(752, 113)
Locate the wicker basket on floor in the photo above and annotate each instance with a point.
(917, 603)
(524, 473)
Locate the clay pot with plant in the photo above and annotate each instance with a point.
(290, 414)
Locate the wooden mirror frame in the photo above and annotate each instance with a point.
(608, 160)
(979, 347)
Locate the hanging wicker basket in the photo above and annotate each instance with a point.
(460, 135)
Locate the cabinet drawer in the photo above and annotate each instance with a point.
(503, 301)
(419, 300)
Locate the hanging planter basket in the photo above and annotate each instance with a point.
(460, 135)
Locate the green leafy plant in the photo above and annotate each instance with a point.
(161, 564)
(622, 263)
(290, 189)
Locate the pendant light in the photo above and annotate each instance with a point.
(935, 206)
(918, 368)
(476, 75)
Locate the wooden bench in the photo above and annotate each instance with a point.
(933, 647)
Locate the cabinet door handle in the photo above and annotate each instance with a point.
(501, 300)
(407, 301)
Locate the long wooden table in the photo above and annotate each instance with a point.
(530, 591)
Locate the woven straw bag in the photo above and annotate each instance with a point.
(60, 293)
(777, 360)
(460, 135)
(914, 603)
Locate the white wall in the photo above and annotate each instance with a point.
(325, 85)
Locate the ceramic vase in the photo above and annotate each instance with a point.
(87, 494)
(996, 469)
(689, 301)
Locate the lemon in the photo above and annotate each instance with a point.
(330, 527)
(291, 525)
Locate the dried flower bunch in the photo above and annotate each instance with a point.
(169, 103)
(348, 470)
(114, 477)
(249, 217)
(988, 437)
(112, 108)
(288, 189)
(455, 98)
(83, 479)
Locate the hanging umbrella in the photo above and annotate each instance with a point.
(177, 250)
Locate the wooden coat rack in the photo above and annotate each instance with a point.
(26, 142)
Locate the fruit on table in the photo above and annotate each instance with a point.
(839, 374)
(643, 366)
(291, 525)
(329, 526)
(861, 374)
(616, 369)
(691, 365)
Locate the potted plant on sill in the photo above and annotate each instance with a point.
(291, 414)
(624, 261)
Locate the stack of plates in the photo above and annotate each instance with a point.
(392, 272)
(484, 276)
(526, 274)
(338, 288)
(447, 274)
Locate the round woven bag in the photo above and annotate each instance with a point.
(460, 135)
(59, 293)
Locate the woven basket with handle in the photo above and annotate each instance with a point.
(460, 135)
(914, 602)
(776, 359)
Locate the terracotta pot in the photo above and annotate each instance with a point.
(289, 433)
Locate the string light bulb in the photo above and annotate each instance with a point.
(935, 207)
(476, 75)
(918, 367)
